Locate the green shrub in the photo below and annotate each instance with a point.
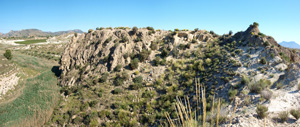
(208, 61)
(144, 55)
(295, 113)
(138, 83)
(232, 93)
(257, 87)
(157, 61)
(8, 54)
(255, 24)
(298, 86)
(103, 77)
(181, 46)
(134, 63)
(261, 34)
(84, 106)
(117, 91)
(279, 85)
(194, 41)
(93, 103)
(118, 68)
(105, 59)
(120, 78)
(283, 116)
(138, 79)
(245, 80)
(165, 52)
(272, 55)
(124, 39)
(262, 111)
(263, 60)
(151, 30)
(266, 43)
(77, 120)
(90, 30)
(134, 30)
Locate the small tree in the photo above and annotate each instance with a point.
(8, 54)
(262, 111)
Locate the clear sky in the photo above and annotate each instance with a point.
(278, 18)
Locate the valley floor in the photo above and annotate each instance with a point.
(33, 91)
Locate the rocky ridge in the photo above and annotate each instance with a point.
(246, 54)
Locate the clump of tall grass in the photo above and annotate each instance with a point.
(283, 116)
(295, 113)
(188, 117)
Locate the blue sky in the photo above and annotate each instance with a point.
(278, 18)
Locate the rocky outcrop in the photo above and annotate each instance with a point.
(105, 49)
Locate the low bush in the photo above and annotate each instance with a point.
(279, 85)
(266, 94)
(165, 52)
(118, 68)
(144, 55)
(117, 91)
(257, 87)
(138, 79)
(283, 116)
(157, 61)
(103, 77)
(134, 63)
(262, 111)
(90, 30)
(255, 24)
(266, 43)
(194, 41)
(295, 113)
(134, 30)
(232, 93)
(245, 80)
(263, 60)
(8, 54)
(298, 86)
(124, 39)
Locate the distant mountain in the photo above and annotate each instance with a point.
(290, 44)
(36, 33)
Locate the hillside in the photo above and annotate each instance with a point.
(28, 33)
(290, 44)
(133, 77)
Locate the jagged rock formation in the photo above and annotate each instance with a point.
(94, 47)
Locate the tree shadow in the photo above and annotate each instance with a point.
(56, 71)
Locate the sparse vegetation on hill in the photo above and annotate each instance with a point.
(146, 77)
